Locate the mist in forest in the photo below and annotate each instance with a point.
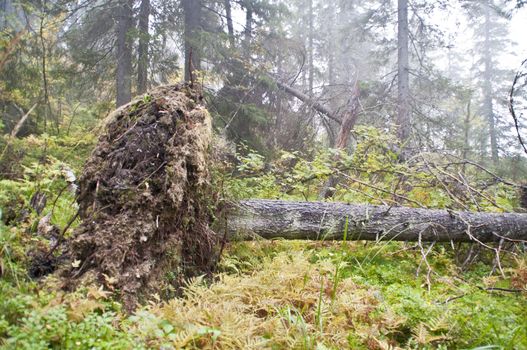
(437, 74)
(263, 174)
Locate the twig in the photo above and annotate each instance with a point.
(425, 260)
(470, 188)
(383, 190)
(63, 233)
(498, 260)
(57, 198)
(126, 132)
(498, 289)
(490, 289)
(449, 299)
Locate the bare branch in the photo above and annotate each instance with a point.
(519, 75)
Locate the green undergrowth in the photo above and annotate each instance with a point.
(281, 295)
(35, 177)
(372, 174)
(269, 294)
(461, 309)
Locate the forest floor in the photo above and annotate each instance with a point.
(283, 295)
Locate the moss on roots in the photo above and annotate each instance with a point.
(145, 198)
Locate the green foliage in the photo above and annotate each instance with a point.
(476, 318)
(371, 174)
(377, 281)
(42, 165)
(11, 255)
(52, 329)
(47, 179)
(49, 321)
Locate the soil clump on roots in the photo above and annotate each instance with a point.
(145, 199)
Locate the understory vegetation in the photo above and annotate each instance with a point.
(280, 295)
(268, 294)
(147, 148)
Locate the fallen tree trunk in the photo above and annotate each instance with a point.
(146, 199)
(267, 219)
(317, 106)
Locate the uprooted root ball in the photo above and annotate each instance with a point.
(145, 198)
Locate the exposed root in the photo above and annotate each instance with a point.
(145, 198)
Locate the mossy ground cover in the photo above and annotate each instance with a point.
(279, 295)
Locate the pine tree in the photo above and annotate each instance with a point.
(490, 34)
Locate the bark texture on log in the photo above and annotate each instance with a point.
(326, 221)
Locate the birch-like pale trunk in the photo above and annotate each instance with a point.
(269, 219)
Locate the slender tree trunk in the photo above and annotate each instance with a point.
(144, 41)
(487, 88)
(247, 34)
(278, 111)
(44, 74)
(331, 49)
(342, 41)
(124, 52)
(310, 47)
(403, 81)
(230, 26)
(163, 74)
(3, 14)
(327, 221)
(466, 132)
(349, 119)
(192, 12)
(331, 77)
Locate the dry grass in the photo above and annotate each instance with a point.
(287, 304)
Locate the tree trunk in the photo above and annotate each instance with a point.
(248, 27)
(349, 120)
(144, 41)
(466, 132)
(310, 48)
(192, 11)
(331, 71)
(403, 81)
(124, 52)
(327, 221)
(230, 26)
(488, 108)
